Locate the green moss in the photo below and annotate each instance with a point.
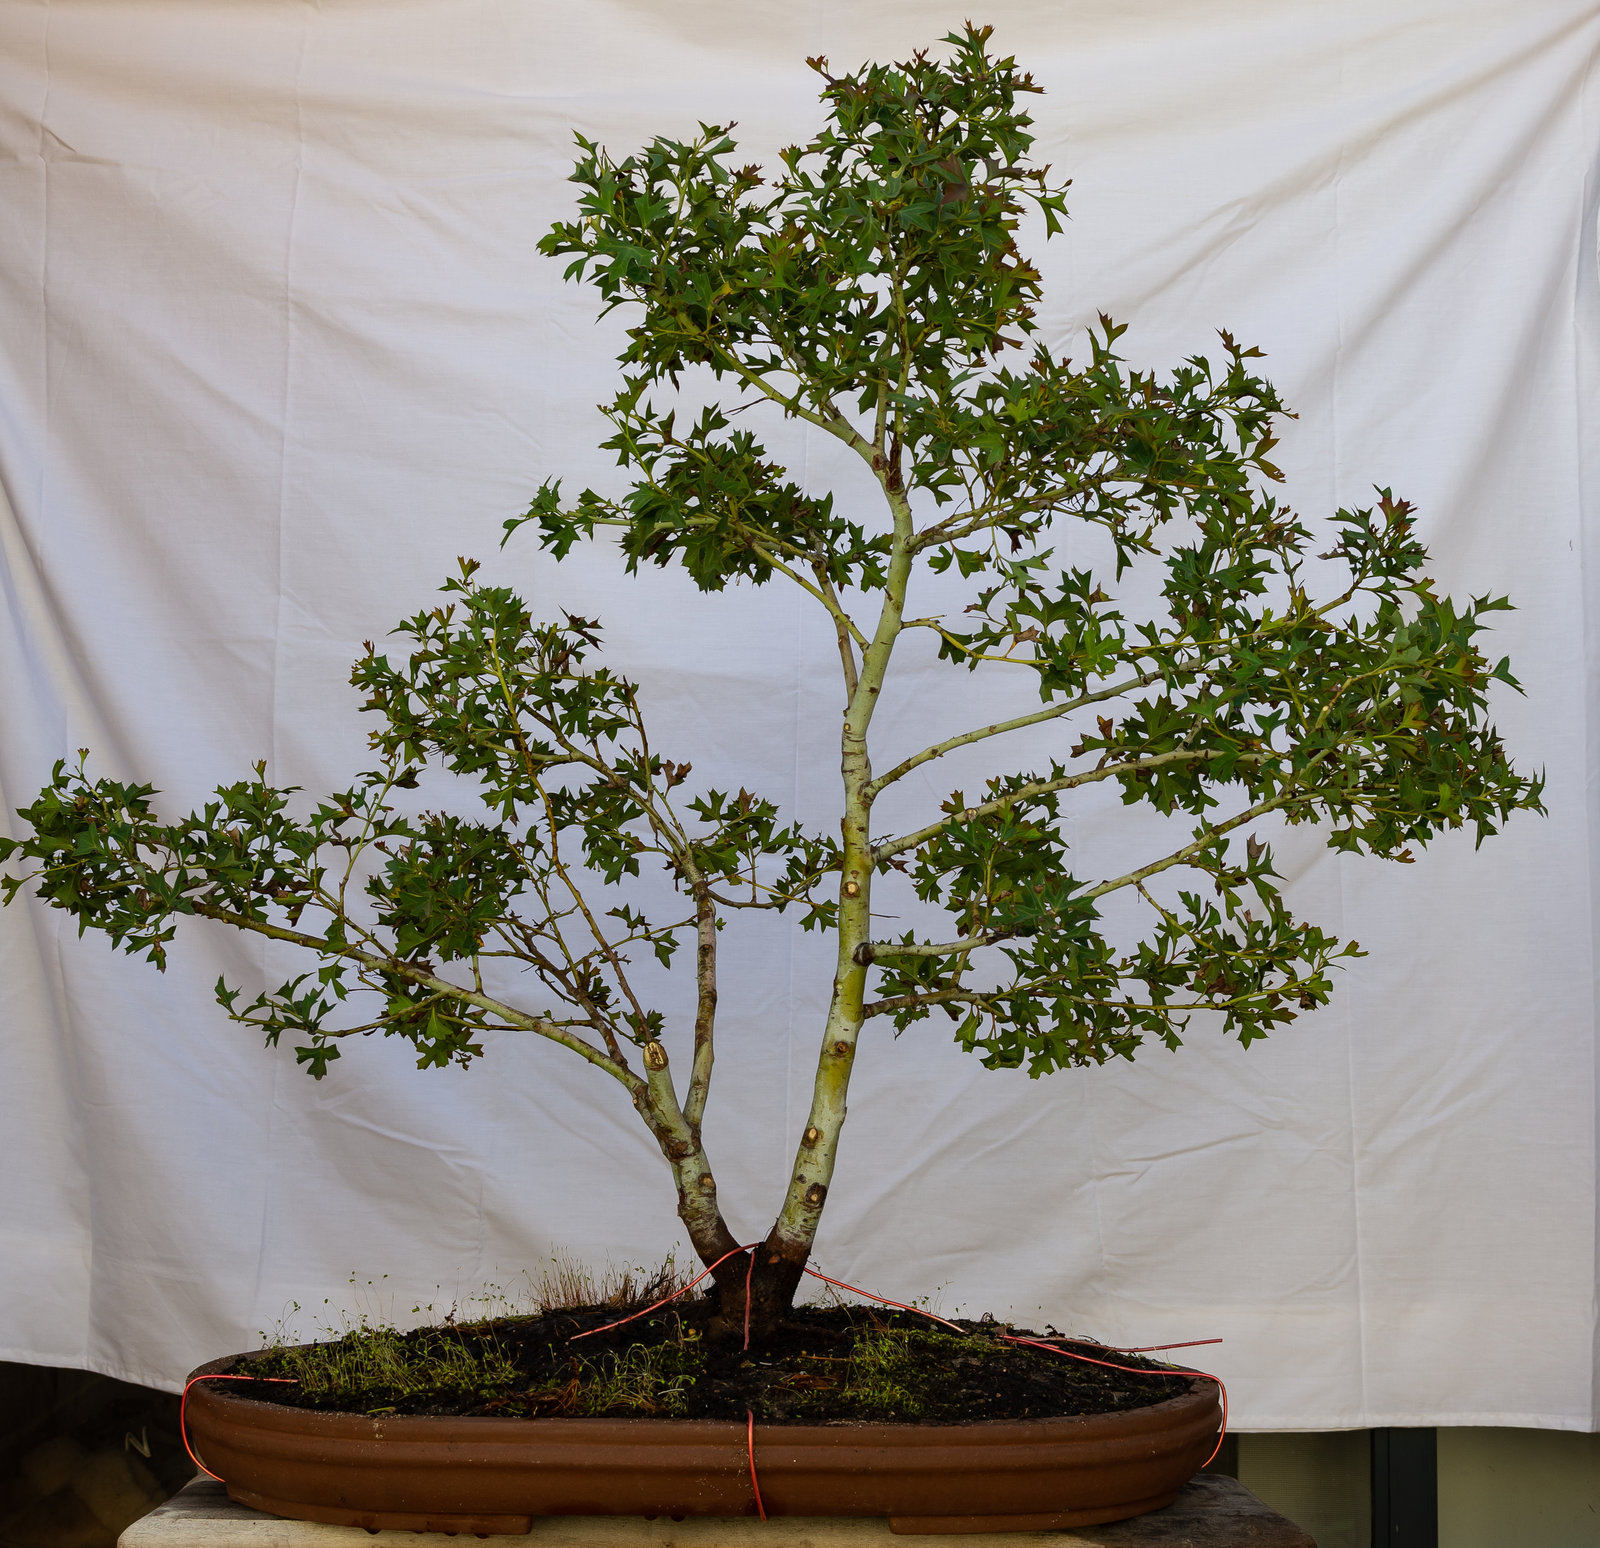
(642, 1380)
(378, 1369)
(894, 1373)
(828, 1365)
(372, 1369)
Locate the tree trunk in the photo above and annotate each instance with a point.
(755, 1293)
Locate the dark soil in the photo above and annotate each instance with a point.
(825, 1365)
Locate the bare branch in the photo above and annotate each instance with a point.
(694, 1106)
(844, 628)
(1000, 727)
(1211, 833)
(842, 619)
(877, 951)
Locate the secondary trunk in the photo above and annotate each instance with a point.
(756, 1290)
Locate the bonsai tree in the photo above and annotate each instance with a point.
(873, 289)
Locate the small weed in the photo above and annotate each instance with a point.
(566, 1283)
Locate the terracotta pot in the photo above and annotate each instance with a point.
(496, 1475)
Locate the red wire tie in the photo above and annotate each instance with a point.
(747, 1273)
(749, 1414)
(667, 1300)
(183, 1405)
(1050, 1349)
(1034, 1343)
(750, 1449)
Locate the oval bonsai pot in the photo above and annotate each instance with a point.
(433, 1474)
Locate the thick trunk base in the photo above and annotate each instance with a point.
(756, 1297)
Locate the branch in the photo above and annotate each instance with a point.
(1051, 986)
(830, 420)
(555, 1031)
(994, 513)
(844, 627)
(1000, 727)
(694, 1106)
(842, 620)
(875, 951)
(895, 846)
(1206, 839)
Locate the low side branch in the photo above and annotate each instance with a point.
(427, 980)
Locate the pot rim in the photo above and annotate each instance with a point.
(1201, 1389)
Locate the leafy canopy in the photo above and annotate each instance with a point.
(873, 289)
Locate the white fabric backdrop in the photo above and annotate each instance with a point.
(276, 348)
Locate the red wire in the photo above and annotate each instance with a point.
(750, 1444)
(750, 1427)
(747, 1273)
(183, 1404)
(884, 1300)
(674, 1296)
(1034, 1343)
(1051, 1349)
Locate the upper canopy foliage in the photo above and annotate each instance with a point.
(875, 291)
